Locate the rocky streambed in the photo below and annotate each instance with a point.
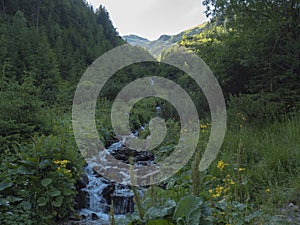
(98, 196)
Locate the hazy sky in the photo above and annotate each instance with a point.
(151, 18)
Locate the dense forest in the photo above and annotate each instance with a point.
(253, 49)
(45, 48)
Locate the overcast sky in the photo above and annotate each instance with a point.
(152, 18)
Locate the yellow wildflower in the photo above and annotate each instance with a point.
(226, 190)
(221, 165)
(219, 190)
(241, 169)
(216, 195)
(267, 190)
(203, 126)
(61, 162)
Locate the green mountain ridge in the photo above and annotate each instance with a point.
(45, 48)
(164, 42)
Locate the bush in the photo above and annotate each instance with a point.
(21, 113)
(254, 109)
(37, 183)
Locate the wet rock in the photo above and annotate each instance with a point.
(111, 141)
(83, 217)
(123, 204)
(116, 195)
(82, 200)
(106, 208)
(82, 182)
(94, 216)
(108, 192)
(123, 153)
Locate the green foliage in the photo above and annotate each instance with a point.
(252, 178)
(160, 210)
(45, 47)
(38, 181)
(255, 108)
(191, 210)
(21, 113)
(48, 41)
(269, 154)
(253, 48)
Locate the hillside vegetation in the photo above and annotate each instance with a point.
(253, 48)
(45, 48)
(164, 42)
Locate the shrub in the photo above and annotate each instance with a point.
(37, 183)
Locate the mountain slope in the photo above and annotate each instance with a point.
(70, 33)
(163, 42)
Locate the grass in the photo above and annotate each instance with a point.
(271, 156)
(253, 180)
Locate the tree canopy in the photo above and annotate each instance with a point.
(253, 47)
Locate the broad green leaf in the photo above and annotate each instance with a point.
(161, 211)
(184, 207)
(58, 201)
(44, 164)
(42, 201)
(194, 216)
(29, 162)
(4, 185)
(55, 193)
(189, 210)
(11, 198)
(25, 170)
(45, 182)
(67, 191)
(26, 205)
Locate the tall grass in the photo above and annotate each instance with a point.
(271, 156)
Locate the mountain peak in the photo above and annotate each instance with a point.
(164, 41)
(164, 37)
(133, 36)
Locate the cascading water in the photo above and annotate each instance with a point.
(100, 194)
(94, 208)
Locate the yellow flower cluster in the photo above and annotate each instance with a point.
(228, 180)
(204, 127)
(241, 169)
(221, 165)
(217, 192)
(225, 189)
(62, 166)
(61, 162)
